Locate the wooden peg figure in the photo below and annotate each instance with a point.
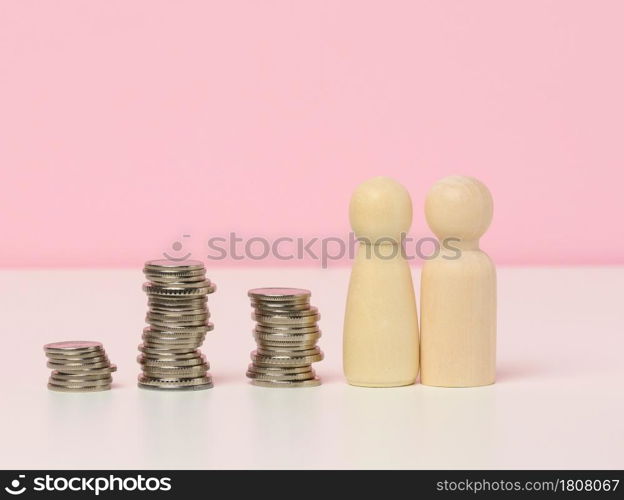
(458, 288)
(380, 342)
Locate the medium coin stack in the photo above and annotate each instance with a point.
(78, 366)
(286, 333)
(178, 323)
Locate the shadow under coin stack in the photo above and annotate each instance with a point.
(178, 322)
(286, 333)
(78, 366)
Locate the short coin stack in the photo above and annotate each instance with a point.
(78, 366)
(286, 333)
(178, 323)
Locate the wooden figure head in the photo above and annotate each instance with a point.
(380, 210)
(459, 207)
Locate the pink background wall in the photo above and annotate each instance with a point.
(124, 124)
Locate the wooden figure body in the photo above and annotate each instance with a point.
(380, 343)
(458, 288)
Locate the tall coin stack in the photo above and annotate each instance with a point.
(78, 366)
(286, 333)
(178, 323)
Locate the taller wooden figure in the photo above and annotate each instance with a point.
(458, 288)
(380, 343)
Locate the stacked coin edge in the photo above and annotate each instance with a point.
(178, 319)
(286, 333)
(78, 366)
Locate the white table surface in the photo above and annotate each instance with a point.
(558, 402)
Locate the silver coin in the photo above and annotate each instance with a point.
(165, 337)
(92, 357)
(181, 302)
(173, 342)
(265, 311)
(168, 367)
(180, 290)
(174, 324)
(163, 265)
(272, 307)
(176, 388)
(281, 377)
(183, 310)
(276, 351)
(173, 272)
(172, 363)
(284, 337)
(78, 384)
(76, 366)
(164, 325)
(201, 301)
(285, 320)
(177, 325)
(98, 388)
(175, 300)
(174, 313)
(310, 311)
(173, 275)
(168, 373)
(64, 382)
(176, 281)
(73, 346)
(87, 356)
(154, 287)
(79, 378)
(172, 331)
(162, 341)
(174, 383)
(164, 350)
(279, 370)
(276, 293)
(286, 330)
(169, 315)
(182, 306)
(172, 280)
(290, 304)
(292, 345)
(174, 347)
(79, 360)
(290, 315)
(166, 355)
(261, 360)
(178, 311)
(286, 383)
(177, 345)
(186, 344)
(86, 371)
(168, 312)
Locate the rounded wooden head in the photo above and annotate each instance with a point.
(459, 207)
(380, 208)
